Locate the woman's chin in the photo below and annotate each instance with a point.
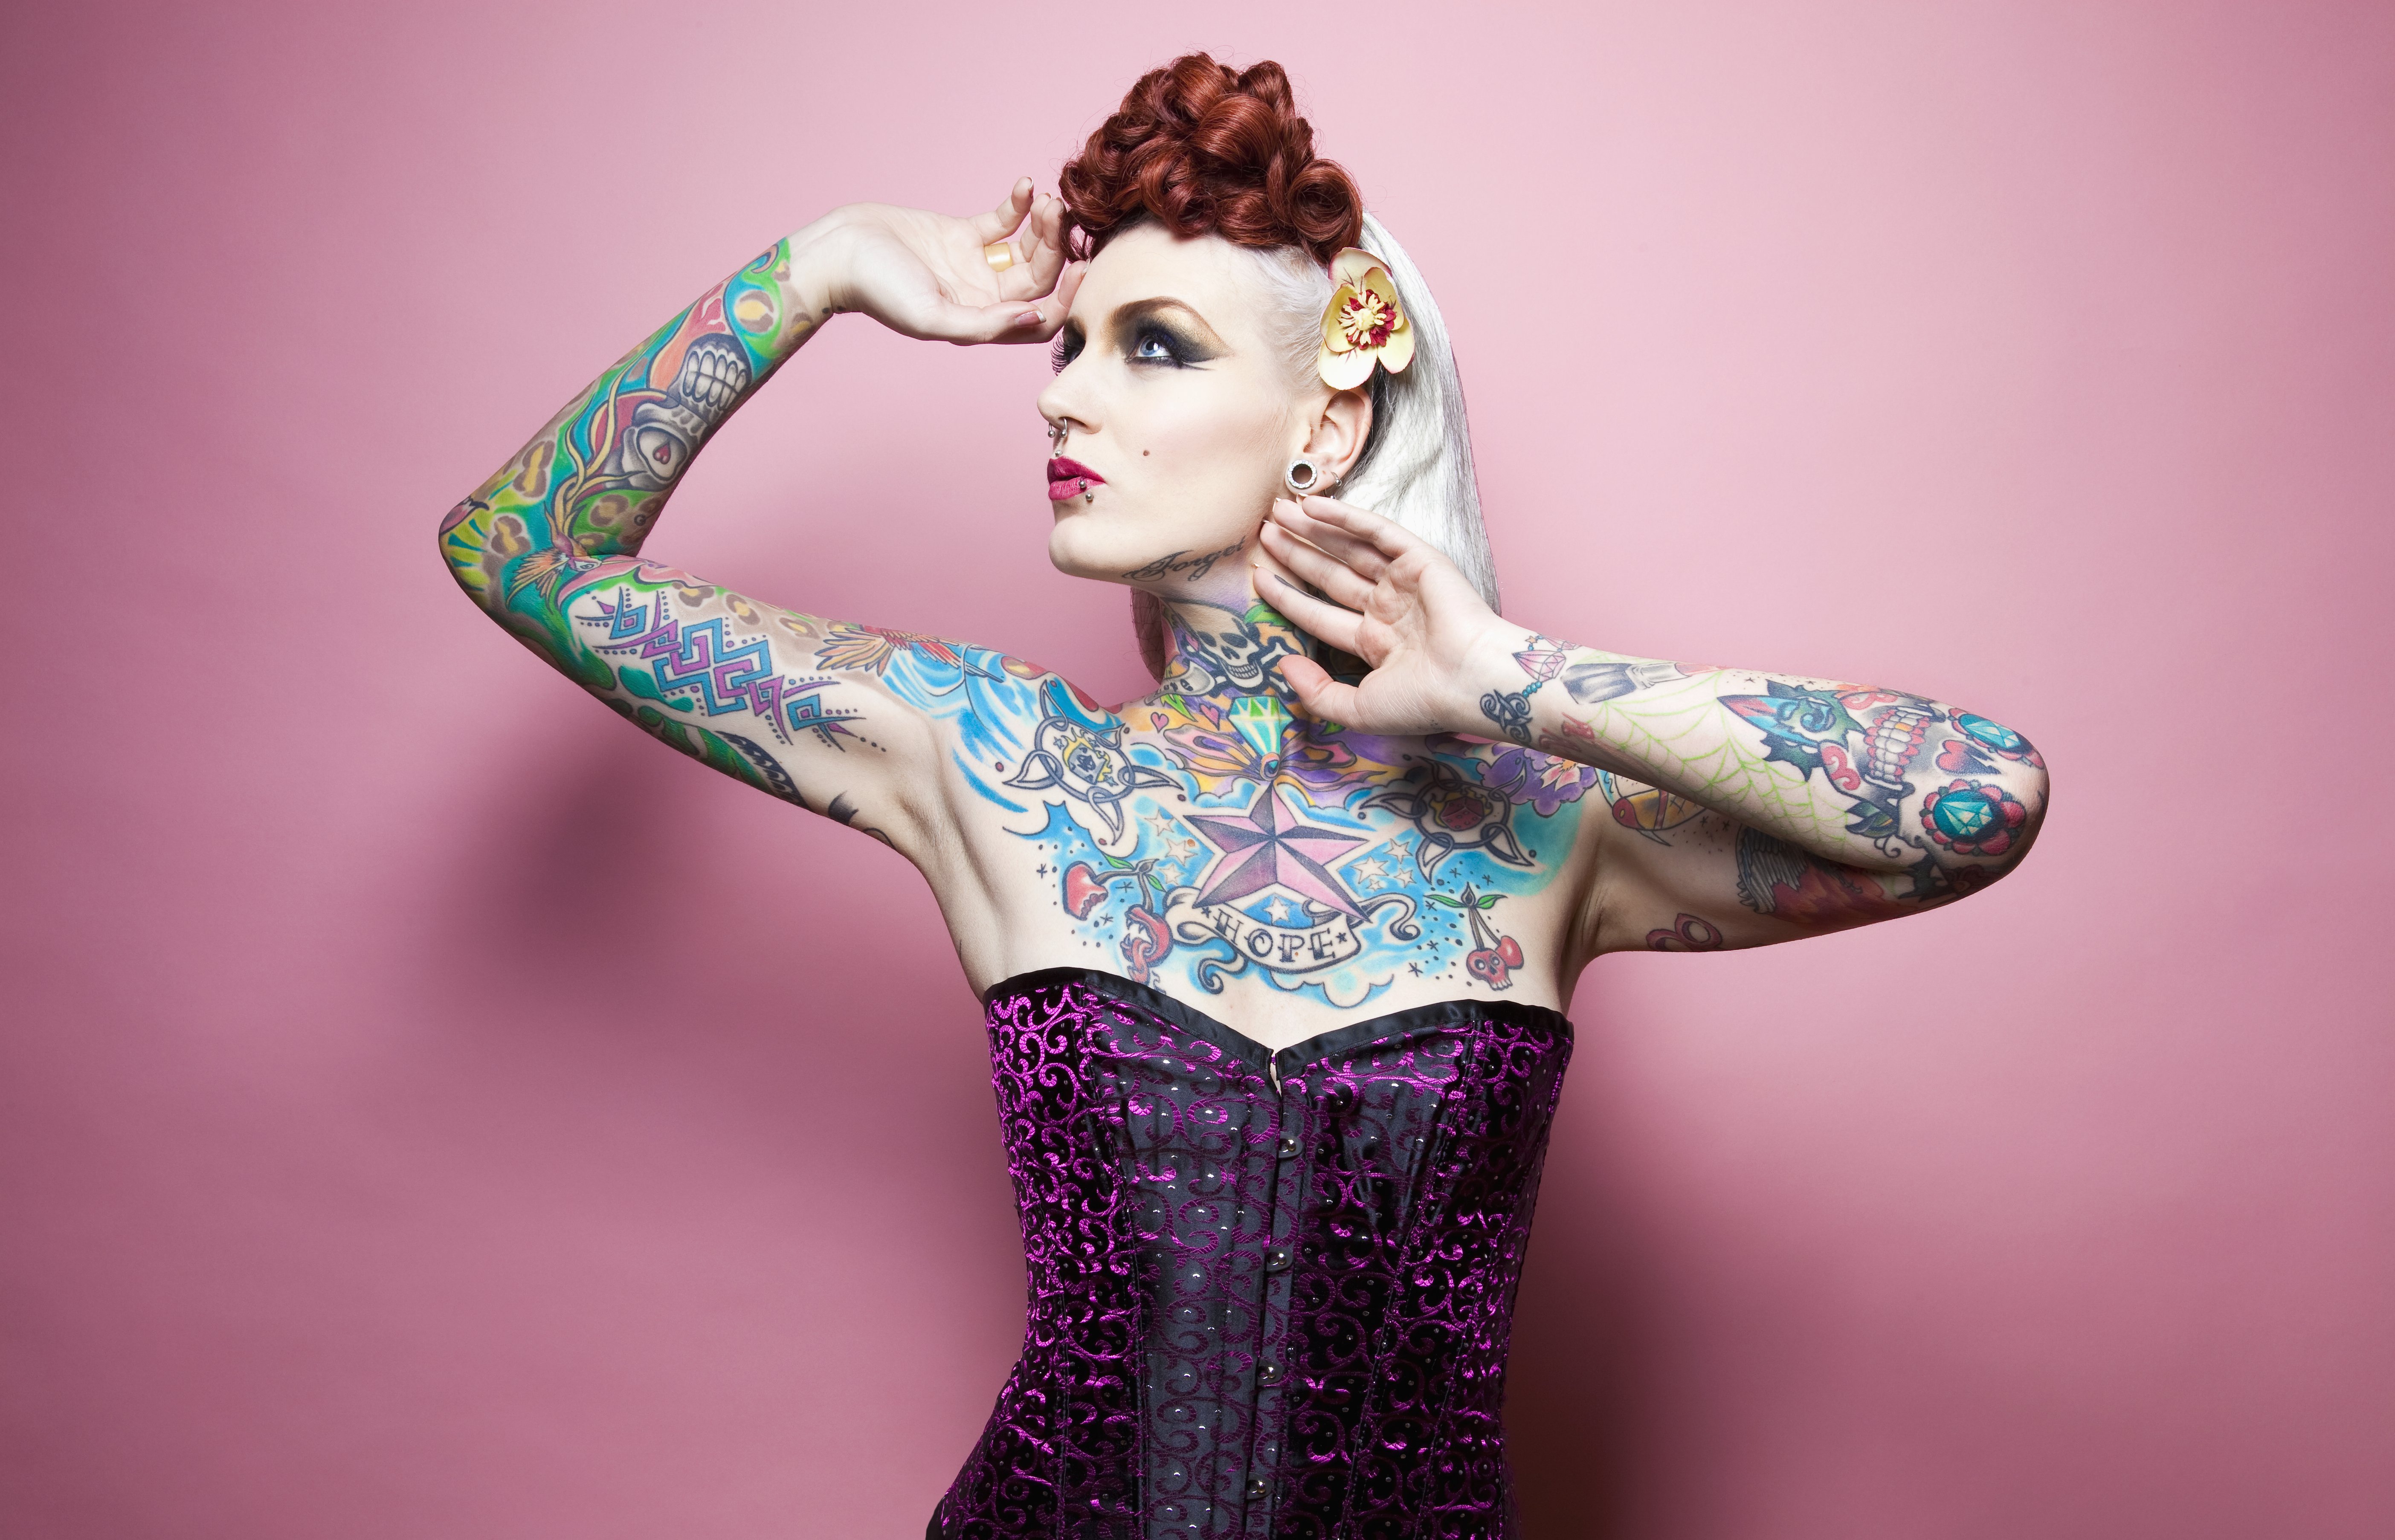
(1077, 550)
(1082, 546)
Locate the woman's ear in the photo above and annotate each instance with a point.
(1340, 431)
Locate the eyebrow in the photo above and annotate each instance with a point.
(1140, 309)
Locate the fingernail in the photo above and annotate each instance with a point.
(1028, 318)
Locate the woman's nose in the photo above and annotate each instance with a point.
(1065, 402)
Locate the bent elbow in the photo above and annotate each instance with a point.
(1985, 828)
(2030, 783)
(464, 536)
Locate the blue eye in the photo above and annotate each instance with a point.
(1155, 344)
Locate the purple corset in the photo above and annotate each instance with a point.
(1271, 1293)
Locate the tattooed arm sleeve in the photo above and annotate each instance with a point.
(1751, 808)
(550, 548)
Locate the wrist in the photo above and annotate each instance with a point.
(1493, 687)
(817, 261)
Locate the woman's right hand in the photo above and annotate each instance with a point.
(927, 275)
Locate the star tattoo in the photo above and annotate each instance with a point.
(1259, 851)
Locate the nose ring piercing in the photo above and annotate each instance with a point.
(1055, 439)
(1303, 477)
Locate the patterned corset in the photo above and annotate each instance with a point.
(1270, 1293)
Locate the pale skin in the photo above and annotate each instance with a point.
(1412, 836)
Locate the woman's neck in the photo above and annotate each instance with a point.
(1227, 650)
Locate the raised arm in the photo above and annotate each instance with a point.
(824, 715)
(1748, 806)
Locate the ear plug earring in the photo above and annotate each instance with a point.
(1302, 478)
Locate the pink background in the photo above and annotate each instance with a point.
(429, 1109)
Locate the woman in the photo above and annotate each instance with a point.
(1274, 956)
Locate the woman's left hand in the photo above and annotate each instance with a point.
(1389, 599)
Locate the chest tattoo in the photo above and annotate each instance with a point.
(1194, 838)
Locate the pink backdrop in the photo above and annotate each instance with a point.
(398, 1118)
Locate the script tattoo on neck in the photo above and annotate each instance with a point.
(1183, 565)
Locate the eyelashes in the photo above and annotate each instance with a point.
(1170, 349)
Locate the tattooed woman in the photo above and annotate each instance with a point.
(1274, 956)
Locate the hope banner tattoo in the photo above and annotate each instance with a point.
(1208, 835)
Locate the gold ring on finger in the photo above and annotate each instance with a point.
(999, 255)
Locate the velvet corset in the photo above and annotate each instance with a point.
(1271, 1293)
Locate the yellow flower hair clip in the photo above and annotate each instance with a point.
(1364, 323)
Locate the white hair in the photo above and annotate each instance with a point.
(1416, 468)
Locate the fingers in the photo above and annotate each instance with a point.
(1337, 580)
(1059, 304)
(1318, 618)
(1355, 552)
(1038, 251)
(1383, 536)
(1317, 693)
(1043, 247)
(1045, 316)
(1035, 289)
(945, 321)
(999, 222)
(936, 317)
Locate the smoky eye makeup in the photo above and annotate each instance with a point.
(1164, 333)
(1147, 336)
(1152, 341)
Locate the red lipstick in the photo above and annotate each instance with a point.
(1070, 478)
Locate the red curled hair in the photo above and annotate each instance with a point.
(1204, 149)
